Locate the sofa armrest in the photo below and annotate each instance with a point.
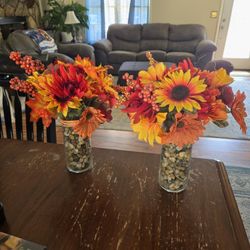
(204, 53)
(205, 46)
(74, 49)
(104, 45)
(217, 64)
(51, 57)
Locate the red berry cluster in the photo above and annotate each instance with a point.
(15, 56)
(22, 86)
(148, 96)
(27, 63)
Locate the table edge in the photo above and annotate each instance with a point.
(233, 210)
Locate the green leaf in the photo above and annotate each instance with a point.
(221, 124)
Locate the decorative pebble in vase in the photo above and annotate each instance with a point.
(174, 167)
(78, 152)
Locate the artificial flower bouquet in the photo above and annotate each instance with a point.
(80, 94)
(172, 106)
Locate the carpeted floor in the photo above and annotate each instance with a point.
(121, 122)
(240, 182)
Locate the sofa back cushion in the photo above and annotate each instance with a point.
(185, 37)
(125, 37)
(154, 36)
(18, 41)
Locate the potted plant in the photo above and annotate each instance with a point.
(54, 18)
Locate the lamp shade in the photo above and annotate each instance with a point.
(71, 18)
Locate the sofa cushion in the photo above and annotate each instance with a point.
(154, 36)
(176, 57)
(183, 46)
(125, 37)
(18, 41)
(119, 56)
(153, 44)
(185, 37)
(155, 31)
(158, 55)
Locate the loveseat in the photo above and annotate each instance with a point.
(167, 43)
(18, 41)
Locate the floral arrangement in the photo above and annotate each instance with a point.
(173, 105)
(80, 94)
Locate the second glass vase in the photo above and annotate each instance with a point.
(174, 167)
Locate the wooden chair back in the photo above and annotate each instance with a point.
(18, 125)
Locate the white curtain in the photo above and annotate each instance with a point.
(116, 11)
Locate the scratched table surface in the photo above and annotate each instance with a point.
(117, 205)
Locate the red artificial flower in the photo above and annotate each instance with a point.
(141, 103)
(213, 109)
(186, 65)
(67, 88)
(227, 95)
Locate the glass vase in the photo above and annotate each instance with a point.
(78, 152)
(174, 167)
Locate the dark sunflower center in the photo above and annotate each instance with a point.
(180, 125)
(180, 92)
(62, 99)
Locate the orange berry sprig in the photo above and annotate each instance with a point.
(22, 86)
(146, 92)
(15, 56)
(27, 63)
(148, 96)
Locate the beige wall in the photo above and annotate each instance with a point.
(181, 11)
(186, 11)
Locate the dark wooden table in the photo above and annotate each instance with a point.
(117, 205)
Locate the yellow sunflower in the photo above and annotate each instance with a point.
(181, 91)
(153, 74)
(149, 131)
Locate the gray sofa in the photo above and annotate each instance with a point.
(167, 43)
(18, 41)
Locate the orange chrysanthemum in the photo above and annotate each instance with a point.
(181, 91)
(39, 110)
(239, 111)
(90, 120)
(89, 68)
(217, 111)
(100, 82)
(219, 78)
(213, 111)
(186, 130)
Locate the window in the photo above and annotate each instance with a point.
(103, 13)
(116, 11)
